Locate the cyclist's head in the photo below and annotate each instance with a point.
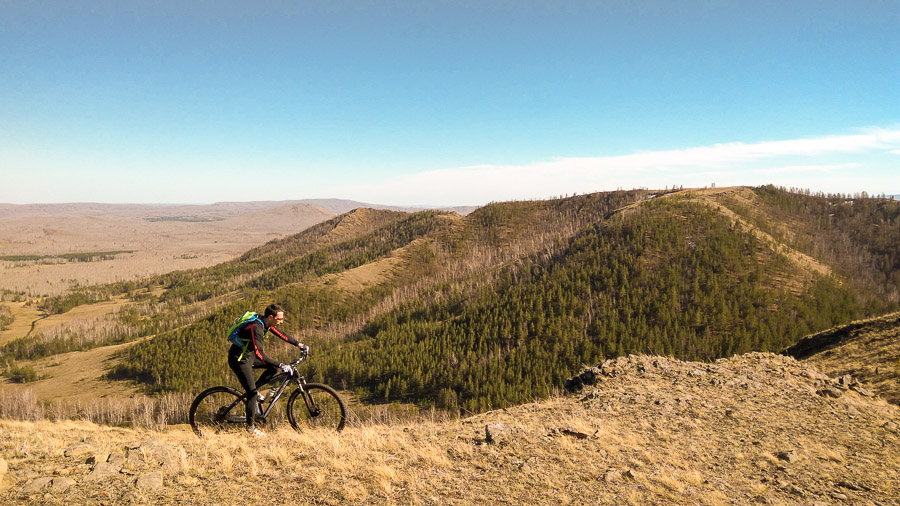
(273, 310)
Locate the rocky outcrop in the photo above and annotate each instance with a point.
(145, 465)
(751, 371)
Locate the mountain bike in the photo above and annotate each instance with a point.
(310, 405)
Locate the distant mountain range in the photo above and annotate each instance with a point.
(197, 212)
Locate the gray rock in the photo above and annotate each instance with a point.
(846, 381)
(788, 456)
(116, 459)
(150, 482)
(135, 458)
(612, 476)
(61, 484)
(495, 432)
(79, 450)
(574, 433)
(171, 458)
(105, 468)
(36, 485)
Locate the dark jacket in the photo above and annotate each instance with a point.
(254, 335)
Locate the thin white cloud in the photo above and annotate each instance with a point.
(796, 169)
(734, 163)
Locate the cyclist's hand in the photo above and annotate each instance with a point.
(287, 369)
(303, 348)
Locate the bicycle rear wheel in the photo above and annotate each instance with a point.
(321, 406)
(217, 409)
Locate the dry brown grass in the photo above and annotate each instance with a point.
(649, 434)
(868, 350)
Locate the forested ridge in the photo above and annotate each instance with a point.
(501, 306)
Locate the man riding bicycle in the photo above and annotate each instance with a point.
(243, 360)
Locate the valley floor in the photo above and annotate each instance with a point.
(753, 429)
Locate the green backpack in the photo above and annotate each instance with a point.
(249, 318)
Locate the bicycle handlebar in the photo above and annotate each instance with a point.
(303, 356)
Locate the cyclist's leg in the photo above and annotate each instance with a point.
(244, 371)
(269, 372)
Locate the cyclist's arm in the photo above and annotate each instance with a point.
(284, 336)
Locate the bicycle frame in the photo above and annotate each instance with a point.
(285, 381)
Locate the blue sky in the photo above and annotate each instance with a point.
(443, 102)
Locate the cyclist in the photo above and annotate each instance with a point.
(243, 360)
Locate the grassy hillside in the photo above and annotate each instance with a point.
(867, 350)
(650, 430)
(499, 307)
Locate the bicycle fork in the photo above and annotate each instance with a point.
(311, 405)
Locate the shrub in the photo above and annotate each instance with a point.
(25, 374)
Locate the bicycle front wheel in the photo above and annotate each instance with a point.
(217, 409)
(319, 406)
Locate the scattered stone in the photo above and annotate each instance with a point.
(890, 426)
(172, 459)
(104, 469)
(846, 381)
(575, 433)
(612, 476)
(629, 474)
(788, 456)
(829, 392)
(494, 432)
(79, 450)
(150, 482)
(36, 485)
(135, 458)
(116, 459)
(61, 484)
(839, 496)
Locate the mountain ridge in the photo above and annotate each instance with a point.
(501, 306)
(559, 282)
